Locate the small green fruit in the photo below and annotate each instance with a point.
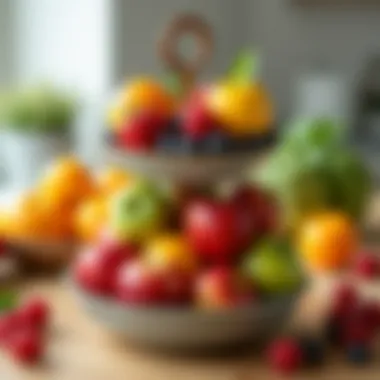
(273, 268)
(138, 212)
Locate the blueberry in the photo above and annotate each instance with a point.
(358, 354)
(216, 142)
(313, 351)
(170, 141)
(334, 331)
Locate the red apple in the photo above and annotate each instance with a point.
(260, 206)
(178, 287)
(215, 230)
(137, 283)
(221, 287)
(95, 269)
(197, 121)
(114, 251)
(140, 132)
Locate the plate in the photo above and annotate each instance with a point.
(188, 329)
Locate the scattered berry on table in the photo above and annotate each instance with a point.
(285, 355)
(26, 346)
(367, 266)
(358, 354)
(35, 312)
(345, 299)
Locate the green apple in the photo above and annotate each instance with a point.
(138, 212)
(273, 267)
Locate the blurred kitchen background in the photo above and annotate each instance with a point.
(319, 57)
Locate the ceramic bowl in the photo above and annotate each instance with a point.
(188, 329)
(191, 169)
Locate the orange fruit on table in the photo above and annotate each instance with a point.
(171, 251)
(90, 218)
(327, 241)
(66, 183)
(112, 180)
(242, 108)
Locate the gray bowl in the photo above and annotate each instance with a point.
(189, 329)
(187, 169)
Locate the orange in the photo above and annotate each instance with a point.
(146, 94)
(90, 218)
(242, 109)
(34, 220)
(327, 241)
(66, 183)
(112, 180)
(171, 251)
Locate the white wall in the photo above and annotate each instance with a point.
(68, 42)
(140, 23)
(292, 38)
(5, 42)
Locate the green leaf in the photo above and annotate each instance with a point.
(8, 300)
(245, 68)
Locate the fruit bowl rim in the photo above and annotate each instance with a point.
(188, 310)
(267, 140)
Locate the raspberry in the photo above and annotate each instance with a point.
(371, 315)
(285, 355)
(357, 331)
(345, 300)
(367, 266)
(9, 323)
(35, 313)
(26, 346)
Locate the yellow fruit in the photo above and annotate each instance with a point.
(171, 252)
(146, 94)
(242, 109)
(66, 183)
(112, 180)
(327, 241)
(90, 218)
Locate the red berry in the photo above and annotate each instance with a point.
(3, 250)
(367, 266)
(35, 313)
(26, 346)
(285, 355)
(356, 331)
(371, 314)
(9, 323)
(345, 300)
(141, 132)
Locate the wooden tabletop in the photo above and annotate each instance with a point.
(79, 349)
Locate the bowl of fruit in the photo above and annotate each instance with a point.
(202, 272)
(65, 208)
(191, 132)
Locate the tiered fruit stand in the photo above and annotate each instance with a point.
(189, 327)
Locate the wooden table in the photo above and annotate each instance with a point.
(79, 349)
